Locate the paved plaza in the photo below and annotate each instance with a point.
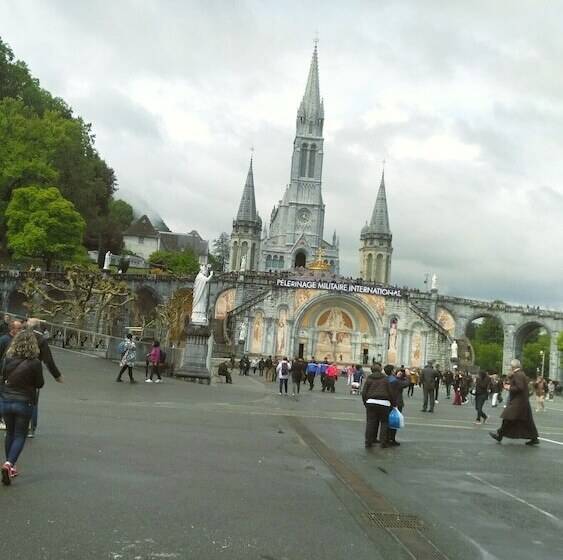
(187, 471)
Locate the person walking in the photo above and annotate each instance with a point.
(312, 367)
(254, 365)
(448, 380)
(540, 388)
(22, 376)
(45, 356)
(428, 379)
(297, 376)
(350, 370)
(378, 399)
(261, 365)
(14, 327)
(269, 368)
(482, 387)
(128, 357)
(154, 360)
(413, 380)
(438, 379)
(282, 369)
(517, 418)
(550, 390)
(331, 378)
(322, 372)
(398, 381)
(457, 390)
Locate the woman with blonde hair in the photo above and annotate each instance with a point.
(22, 375)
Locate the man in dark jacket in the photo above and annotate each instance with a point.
(517, 419)
(378, 399)
(224, 372)
(46, 357)
(428, 380)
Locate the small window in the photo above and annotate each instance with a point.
(141, 240)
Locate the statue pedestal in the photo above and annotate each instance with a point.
(196, 361)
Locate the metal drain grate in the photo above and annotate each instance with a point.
(395, 521)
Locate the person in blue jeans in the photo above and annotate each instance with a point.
(22, 376)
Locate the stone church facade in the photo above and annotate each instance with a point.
(261, 317)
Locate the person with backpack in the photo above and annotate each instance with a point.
(155, 361)
(282, 369)
(128, 351)
(22, 377)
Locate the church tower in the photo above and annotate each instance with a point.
(376, 247)
(297, 222)
(247, 230)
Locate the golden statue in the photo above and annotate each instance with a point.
(319, 263)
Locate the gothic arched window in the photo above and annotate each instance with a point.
(312, 154)
(268, 262)
(303, 160)
(379, 268)
(369, 267)
(281, 262)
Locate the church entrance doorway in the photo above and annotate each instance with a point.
(336, 329)
(300, 259)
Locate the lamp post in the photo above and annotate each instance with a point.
(542, 354)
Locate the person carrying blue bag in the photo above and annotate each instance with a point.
(398, 382)
(378, 399)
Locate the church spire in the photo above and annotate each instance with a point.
(380, 217)
(247, 207)
(311, 109)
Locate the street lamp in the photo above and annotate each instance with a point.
(542, 354)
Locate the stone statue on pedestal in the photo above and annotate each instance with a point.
(243, 331)
(107, 261)
(199, 305)
(453, 349)
(243, 263)
(434, 285)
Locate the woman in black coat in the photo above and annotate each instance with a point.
(482, 386)
(22, 375)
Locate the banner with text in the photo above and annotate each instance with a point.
(339, 286)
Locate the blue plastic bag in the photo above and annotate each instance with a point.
(396, 419)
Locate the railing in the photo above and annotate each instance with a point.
(102, 345)
(428, 320)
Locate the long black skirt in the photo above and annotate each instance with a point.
(524, 428)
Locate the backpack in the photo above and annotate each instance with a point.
(284, 368)
(162, 357)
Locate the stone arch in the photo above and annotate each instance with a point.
(521, 335)
(368, 338)
(275, 262)
(234, 257)
(303, 160)
(16, 303)
(379, 268)
(312, 160)
(224, 303)
(243, 253)
(471, 354)
(369, 266)
(144, 306)
(300, 259)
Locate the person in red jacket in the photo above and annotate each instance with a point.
(154, 360)
(331, 377)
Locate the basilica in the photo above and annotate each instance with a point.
(289, 299)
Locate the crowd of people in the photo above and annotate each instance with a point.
(382, 390)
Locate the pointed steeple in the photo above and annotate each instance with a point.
(247, 207)
(312, 107)
(380, 217)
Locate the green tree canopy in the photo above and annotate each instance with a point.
(41, 223)
(532, 354)
(42, 143)
(180, 262)
(487, 339)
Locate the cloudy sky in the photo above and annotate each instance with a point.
(464, 101)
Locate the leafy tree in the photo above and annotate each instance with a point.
(83, 292)
(531, 354)
(221, 252)
(487, 338)
(178, 262)
(121, 213)
(41, 223)
(42, 143)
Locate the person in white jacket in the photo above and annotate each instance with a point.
(283, 368)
